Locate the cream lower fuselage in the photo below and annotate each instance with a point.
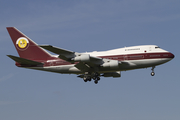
(127, 58)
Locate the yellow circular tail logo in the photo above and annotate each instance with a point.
(22, 43)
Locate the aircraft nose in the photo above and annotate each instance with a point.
(171, 55)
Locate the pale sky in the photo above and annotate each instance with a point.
(95, 25)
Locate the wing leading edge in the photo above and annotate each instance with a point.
(71, 56)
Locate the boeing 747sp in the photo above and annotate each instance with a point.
(89, 65)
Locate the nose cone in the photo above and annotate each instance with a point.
(171, 55)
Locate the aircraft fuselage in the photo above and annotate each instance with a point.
(129, 58)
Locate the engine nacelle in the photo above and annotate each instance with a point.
(113, 64)
(112, 74)
(82, 58)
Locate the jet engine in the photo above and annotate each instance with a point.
(113, 64)
(82, 58)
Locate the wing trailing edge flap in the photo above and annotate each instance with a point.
(24, 61)
(83, 67)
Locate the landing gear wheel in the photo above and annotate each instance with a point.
(87, 78)
(152, 73)
(96, 81)
(94, 78)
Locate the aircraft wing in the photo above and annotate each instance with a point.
(71, 56)
(86, 62)
(63, 54)
(57, 50)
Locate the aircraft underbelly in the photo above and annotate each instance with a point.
(126, 65)
(64, 69)
(150, 62)
(135, 64)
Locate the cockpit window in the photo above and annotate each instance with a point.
(157, 47)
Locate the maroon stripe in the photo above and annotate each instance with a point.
(140, 56)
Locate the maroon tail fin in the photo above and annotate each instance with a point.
(25, 47)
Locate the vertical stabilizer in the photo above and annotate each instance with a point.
(25, 47)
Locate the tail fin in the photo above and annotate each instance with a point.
(25, 47)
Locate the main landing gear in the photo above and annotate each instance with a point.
(153, 73)
(87, 78)
(94, 76)
(96, 79)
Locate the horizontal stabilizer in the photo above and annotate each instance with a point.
(24, 61)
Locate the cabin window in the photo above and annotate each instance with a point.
(165, 55)
(136, 57)
(155, 55)
(157, 47)
(113, 58)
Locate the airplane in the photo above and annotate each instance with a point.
(87, 65)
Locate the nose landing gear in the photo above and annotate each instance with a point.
(153, 73)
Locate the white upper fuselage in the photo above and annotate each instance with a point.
(129, 50)
(136, 56)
